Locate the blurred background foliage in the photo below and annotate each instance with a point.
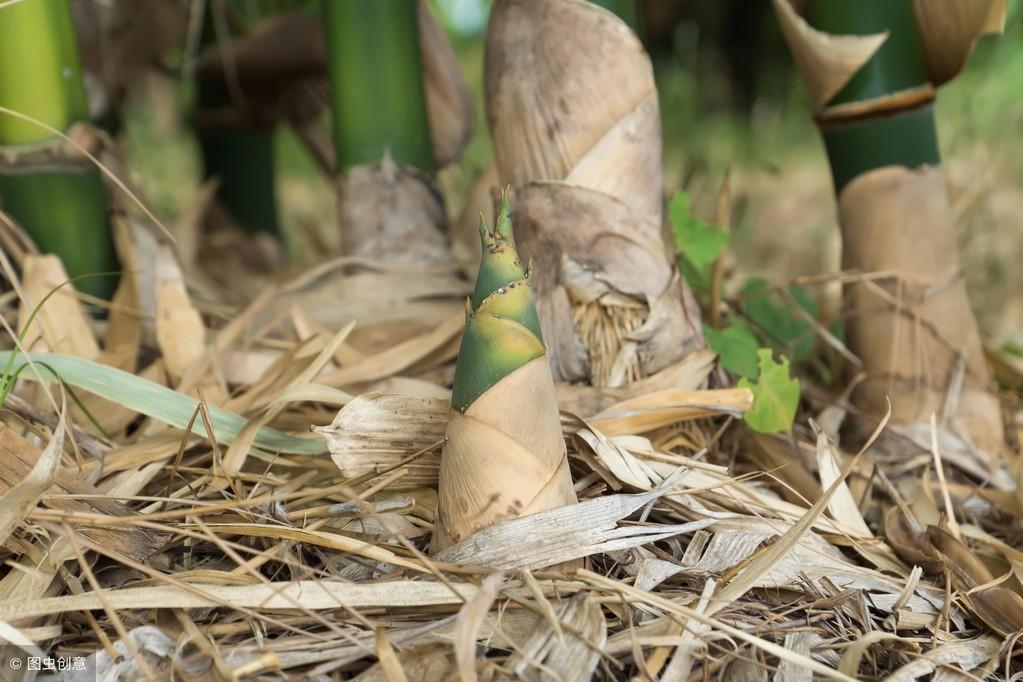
(731, 102)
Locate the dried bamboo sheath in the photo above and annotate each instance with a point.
(576, 129)
(871, 68)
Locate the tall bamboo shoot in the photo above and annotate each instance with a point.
(871, 68)
(574, 117)
(504, 454)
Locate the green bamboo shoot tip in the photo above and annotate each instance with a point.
(502, 330)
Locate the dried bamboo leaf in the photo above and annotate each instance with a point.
(17, 459)
(765, 561)
(180, 333)
(842, 506)
(735, 540)
(358, 290)
(155, 647)
(566, 533)
(628, 469)
(20, 637)
(470, 621)
(669, 606)
(399, 357)
(688, 374)
(967, 654)
(910, 543)
(645, 413)
(311, 594)
(422, 663)
(850, 662)
(60, 323)
(17, 502)
(339, 543)
(1000, 608)
(790, 671)
(681, 663)
(388, 658)
(570, 657)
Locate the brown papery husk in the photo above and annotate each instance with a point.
(910, 331)
(550, 106)
(826, 62)
(585, 162)
(595, 259)
(385, 207)
(950, 28)
(504, 457)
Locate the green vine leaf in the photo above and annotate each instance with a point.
(780, 323)
(699, 243)
(775, 395)
(736, 346)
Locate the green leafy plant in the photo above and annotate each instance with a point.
(698, 242)
(775, 395)
(746, 346)
(736, 346)
(780, 322)
(154, 400)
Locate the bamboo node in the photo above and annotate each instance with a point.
(55, 154)
(888, 105)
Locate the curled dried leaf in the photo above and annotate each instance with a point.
(999, 607)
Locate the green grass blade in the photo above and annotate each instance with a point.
(156, 401)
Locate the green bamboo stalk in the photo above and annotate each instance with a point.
(906, 138)
(377, 91)
(62, 206)
(241, 156)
